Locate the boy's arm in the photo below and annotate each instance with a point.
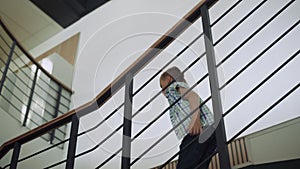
(194, 100)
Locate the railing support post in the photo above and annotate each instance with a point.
(7, 65)
(30, 97)
(126, 144)
(15, 156)
(215, 91)
(52, 133)
(72, 142)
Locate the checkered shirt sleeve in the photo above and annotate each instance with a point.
(181, 109)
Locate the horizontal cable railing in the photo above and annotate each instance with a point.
(237, 149)
(237, 24)
(138, 111)
(150, 123)
(261, 83)
(252, 35)
(266, 111)
(251, 62)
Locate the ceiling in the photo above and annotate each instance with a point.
(33, 22)
(66, 12)
(28, 23)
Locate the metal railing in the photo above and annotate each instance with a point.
(236, 146)
(223, 160)
(28, 93)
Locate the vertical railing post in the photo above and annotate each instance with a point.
(52, 133)
(7, 65)
(215, 90)
(15, 156)
(126, 144)
(72, 142)
(30, 96)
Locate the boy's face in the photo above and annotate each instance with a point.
(164, 82)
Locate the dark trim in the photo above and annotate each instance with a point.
(215, 91)
(30, 96)
(67, 12)
(126, 142)
(15, 156)
(72, 143)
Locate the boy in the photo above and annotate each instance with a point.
(192, 153)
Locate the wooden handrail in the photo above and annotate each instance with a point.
(114, 86)
(31, 58)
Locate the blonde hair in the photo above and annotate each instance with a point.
(174, 73)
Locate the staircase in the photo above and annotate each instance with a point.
(265, 57)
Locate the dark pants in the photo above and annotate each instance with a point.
(192, 153)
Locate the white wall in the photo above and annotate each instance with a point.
(62, 69)
(114, 35)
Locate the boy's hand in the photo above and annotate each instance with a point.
(195, 127)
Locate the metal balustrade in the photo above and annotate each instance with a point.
(28, 93)
(231, 152)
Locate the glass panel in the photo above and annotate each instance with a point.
(11, 110)
(46, 82)
(21, 63)
(46, 137)
(5, 41)
(35, 117)
(3, 59)
(43, 110)
(49, 110)
(64, 103)
(65, 94)
(12, 104)
(53, 92)
(60, 135)
(6, 95)
(47, 95)
(16, 93)
(31, 123)
(43, 94)
(63, 109)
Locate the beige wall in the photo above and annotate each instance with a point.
(66, 49)
(278, 143)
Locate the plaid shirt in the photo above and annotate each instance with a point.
(182, 108)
